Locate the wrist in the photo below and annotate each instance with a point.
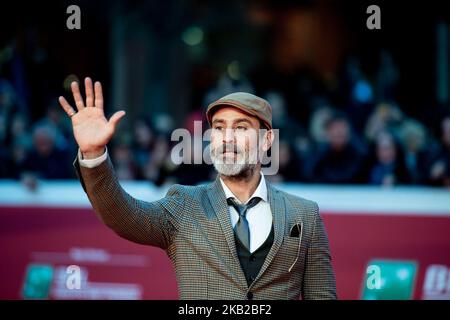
(93, 154)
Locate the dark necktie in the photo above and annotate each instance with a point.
(241, 228)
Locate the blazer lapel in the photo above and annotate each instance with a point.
(219, 203)
(278, 209)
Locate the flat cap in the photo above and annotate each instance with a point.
(248, 103)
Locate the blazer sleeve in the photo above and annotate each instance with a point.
(319, 281)
(151, 223)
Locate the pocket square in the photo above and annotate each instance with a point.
(295, 230)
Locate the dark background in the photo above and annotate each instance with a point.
(305, 51)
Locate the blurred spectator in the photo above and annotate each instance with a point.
(339, 161)
(357, 94)
(123, 162)
(294, 145)
(163, 123)
(413, 137)
(5, 163)
(289, 165)
(226, 85)
(3, 129)
(189, 172)
(18, 156)
(8, 107)
(159, 163)
(142, 144)
(317, 123)
(387, 77)
(280, 117)
(21, 144)
(304, 156)
(61, 124)
(388, 169)
(19, 126)
(440, 167)
(45, 160)
(387, 116)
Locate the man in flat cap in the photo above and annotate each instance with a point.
(236, 238)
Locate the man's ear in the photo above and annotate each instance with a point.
(268, 140)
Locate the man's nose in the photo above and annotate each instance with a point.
(228, 136)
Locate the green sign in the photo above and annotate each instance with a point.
(38, 280)
(389, 280)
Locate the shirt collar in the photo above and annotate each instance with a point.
(261, 190)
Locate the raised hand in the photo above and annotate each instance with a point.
(91, 129)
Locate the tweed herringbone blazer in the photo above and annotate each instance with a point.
(192, 224)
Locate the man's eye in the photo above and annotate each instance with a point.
(241, 128)
(218, 128)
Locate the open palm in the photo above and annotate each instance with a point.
(91, 129)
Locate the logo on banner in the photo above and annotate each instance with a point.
(436, 285)
(389, 279)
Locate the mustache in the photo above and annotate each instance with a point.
(228, 148)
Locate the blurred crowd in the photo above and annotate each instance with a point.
(380, 146)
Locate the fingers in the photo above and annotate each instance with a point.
(115, 118)
(89, 92)
(93, 99)
(77, 96)
(98, 95)
(66, 106)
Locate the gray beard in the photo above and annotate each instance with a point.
(240, 168)
(233, 170)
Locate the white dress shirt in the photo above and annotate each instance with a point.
(92, 163)
(259, 217)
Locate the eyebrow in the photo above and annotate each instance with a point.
(217, 121)
(243, 120)
(234, 121)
